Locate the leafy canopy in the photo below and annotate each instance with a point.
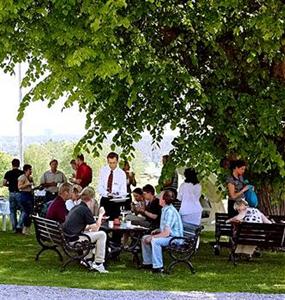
(209, 69)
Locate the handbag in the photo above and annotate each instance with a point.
(251, 197)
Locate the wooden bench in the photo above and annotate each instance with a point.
(182, 249)
(50, 236)
(222, 229)
(276, 218)
(264, 236)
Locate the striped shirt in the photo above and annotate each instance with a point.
(171, 219)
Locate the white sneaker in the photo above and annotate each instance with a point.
(100, 268)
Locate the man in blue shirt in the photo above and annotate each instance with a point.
(170, 226)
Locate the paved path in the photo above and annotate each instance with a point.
(39, 292)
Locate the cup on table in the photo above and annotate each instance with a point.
(129, 224)
(111, 224)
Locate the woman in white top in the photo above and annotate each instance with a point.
(75, 197)
(189, 194)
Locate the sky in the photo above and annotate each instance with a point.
(38, 119)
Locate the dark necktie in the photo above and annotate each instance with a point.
(110, 181)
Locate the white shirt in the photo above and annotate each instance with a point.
(119, 185)
(189, 194)
(69, 204)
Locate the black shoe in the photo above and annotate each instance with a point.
(158, 270)
(146, 267)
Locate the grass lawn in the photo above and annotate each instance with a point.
(214, 273)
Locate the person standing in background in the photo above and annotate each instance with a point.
(83, 175)
(51, 179)
(189, 194)
(74, 168)
(11, 181)
(112, 183)
(25, 183)
(131, 180)
(235, 184)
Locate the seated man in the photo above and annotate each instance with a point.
(149, 214)
(57, 210)
(80, 219)
(170, 226)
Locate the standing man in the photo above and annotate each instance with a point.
(51, 179)
(112, 183)
(11, 181)
(83, 175)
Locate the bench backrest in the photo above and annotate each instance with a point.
(276, 218)
(221, 227)
(48, 230)
(263, 235)
(177, 204)
(191, 230)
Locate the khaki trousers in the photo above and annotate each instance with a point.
(99, 251)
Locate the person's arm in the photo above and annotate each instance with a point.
(165, 233)
(265, 219)
(123, 184)
(180, 193)
(132, 179)
(5, 182)
(233, 194)
(101, 185)
(96, 226)
(150, 215)
(238, 218)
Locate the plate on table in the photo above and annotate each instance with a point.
(119, 200)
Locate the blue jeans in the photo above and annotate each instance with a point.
(15, 204)
(152, 252)
(27, 202)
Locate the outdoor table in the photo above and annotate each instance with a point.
(134, 232)
(4, 211)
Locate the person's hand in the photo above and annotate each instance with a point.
(148, 239)
(155, 231)
(245, 188)
(140, 210)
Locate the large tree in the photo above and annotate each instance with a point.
(211, 69)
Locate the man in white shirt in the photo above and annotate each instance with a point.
(112, 183)
(51, 179)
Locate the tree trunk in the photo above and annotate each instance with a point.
(268, 203)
